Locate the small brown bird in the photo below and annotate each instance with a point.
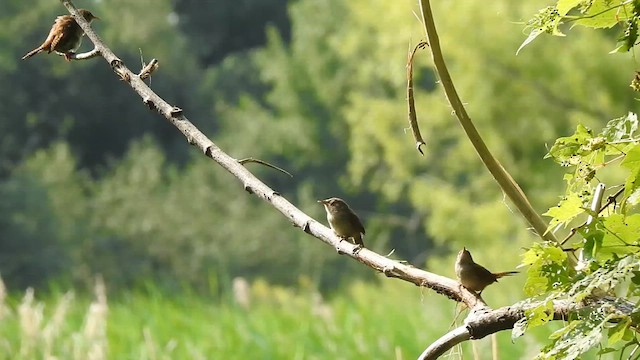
(65, 36)
(343, 221)
(474, 276)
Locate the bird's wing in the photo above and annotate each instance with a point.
(483, 273)
(61, 28)
(356, 220)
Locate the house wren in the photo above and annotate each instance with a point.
(343, 221)
(65, 36)
(473, 276)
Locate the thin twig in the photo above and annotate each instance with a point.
(148, 69)
(83, 56)
(258, 161)
(413, 117)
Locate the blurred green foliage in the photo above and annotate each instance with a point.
(92, 182)
(112, 188)
(256, 320)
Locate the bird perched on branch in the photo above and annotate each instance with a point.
(65, 36)
(343, 221)
(474, 276)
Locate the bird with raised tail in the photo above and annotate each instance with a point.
(64, 37)
(342, 220)
(473, 276)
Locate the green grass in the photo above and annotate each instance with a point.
(390, 320)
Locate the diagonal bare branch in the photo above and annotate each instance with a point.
(258, 161)
(253, 185)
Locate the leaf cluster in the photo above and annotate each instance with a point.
(606, 248)
(596, 14)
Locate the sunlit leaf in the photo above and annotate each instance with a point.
(566, 150)
(632, 160)
(567, 210)
(532, 36)
(564, 6)
(547, 20)
(519, 328)
(622, 128)
(617, 332)
(604, 14)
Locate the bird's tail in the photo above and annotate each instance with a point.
(33, 52)
(506, 273)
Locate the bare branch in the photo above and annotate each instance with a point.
(148, 69)
(445, 343)
(258, 161)
(482, 322)
(443, 285)
(83, 56)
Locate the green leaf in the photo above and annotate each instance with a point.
(617, 332)
(631, 184)
(632, 160)
(634, 197)
(547, 268)
(628, 39)
(593, 242)
(536, 285)
(563, 331)
(621, 235)
(606, 351)
(532, 36)
(539, 315)
(543, 254)
(574, 339)
(531, 256)
(622, 128)
(604, 14)
(568, 150)
(564, 6)
(567, 210)
(546, 20)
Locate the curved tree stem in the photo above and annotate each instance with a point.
(506, 182)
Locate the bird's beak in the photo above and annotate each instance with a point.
(322, 201)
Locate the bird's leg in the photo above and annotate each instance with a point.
(341, 239)
(357, 249)
(68, 55)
